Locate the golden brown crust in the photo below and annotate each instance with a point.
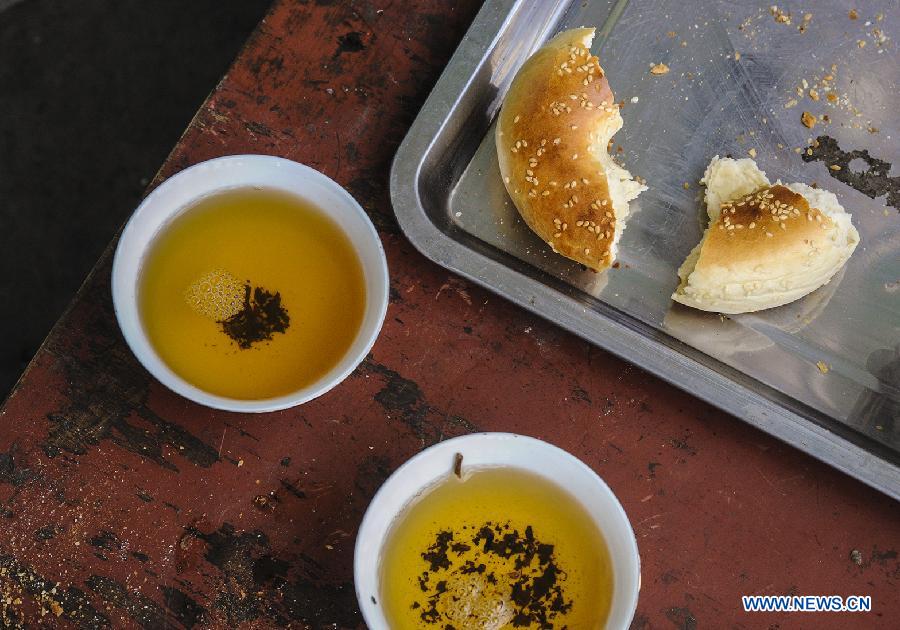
(762, 226)
(558, 106)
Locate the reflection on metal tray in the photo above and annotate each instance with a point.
(822, 373)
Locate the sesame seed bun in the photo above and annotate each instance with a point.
(552, 142)
(765, 248)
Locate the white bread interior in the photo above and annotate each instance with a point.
(727, 179)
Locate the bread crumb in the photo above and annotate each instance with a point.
(671, 34)
(806, 19)
(823, 367)
(751, 152)
(634, 99)
(808, 120)
(686, 186)
(813, 95)
(835, 167)
(853, 15)
(781, 16)
(790, 103)
(737, 56)
(861, 43)
(659, 68)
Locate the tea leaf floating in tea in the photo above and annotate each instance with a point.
(258, 320)
(491, 576)
(247, 315)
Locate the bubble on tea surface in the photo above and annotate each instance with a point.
(216, 295)
(476, 604)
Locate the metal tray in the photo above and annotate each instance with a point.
(734, 71)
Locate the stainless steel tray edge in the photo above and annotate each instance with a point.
(626, 341)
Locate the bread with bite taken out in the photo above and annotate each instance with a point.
(552, 144)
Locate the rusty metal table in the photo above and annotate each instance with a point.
(123, 505)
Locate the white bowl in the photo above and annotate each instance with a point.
(183, 190)
(497, 450)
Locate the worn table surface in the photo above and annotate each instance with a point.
(122, 504)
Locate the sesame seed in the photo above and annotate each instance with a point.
(557, 235)
(752, 225)
(587, 250)
(769, 234)
(574, 156)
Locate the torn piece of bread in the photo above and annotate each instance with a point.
(552, 142)
(766, 245)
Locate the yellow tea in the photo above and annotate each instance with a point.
(496, 548)
(251, 294)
